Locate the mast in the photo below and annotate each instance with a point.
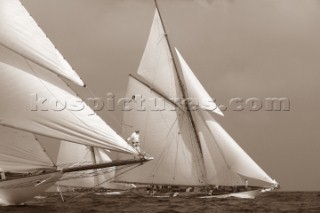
(180, 82)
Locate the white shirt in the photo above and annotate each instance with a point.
(134, 137)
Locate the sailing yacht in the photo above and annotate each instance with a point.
(190, 147)
(37, 101)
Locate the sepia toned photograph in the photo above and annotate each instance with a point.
(159, 106)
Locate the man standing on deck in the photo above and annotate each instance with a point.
(2, 175)
(135, 139)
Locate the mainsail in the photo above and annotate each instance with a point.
(190, 148)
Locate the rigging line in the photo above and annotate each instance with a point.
(189, 160)
(180, 81)
(164, 153)
(133, 167)
(194, 149)
(176, 159)
(44, 150)
(76, 196)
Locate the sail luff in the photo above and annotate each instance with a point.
(182, 88)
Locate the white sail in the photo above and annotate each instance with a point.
(71, 154)
(19, 33)
(167, 136)
(156, 65)
(20, 151)
(195, 89)
(217, 169)
(83, 155)
(236, 158)
(20, 108)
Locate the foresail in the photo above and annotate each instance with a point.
(167, 136)
(217, 169)
(21, 152)
(37, 101)
(156, 65)
(195, 89)
(19, 33)
(236, 158)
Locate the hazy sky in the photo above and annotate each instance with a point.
(247, 48)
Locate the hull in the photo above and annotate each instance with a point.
(244, 195)
(20, 190)
(251, 193)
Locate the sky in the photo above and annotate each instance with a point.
(245, 49)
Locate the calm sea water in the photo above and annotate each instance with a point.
(91, 202)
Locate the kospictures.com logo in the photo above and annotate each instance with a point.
(138, 102)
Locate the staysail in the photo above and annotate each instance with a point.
(20, 34)
(236, 158)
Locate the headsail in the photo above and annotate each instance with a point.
(217, 169)
(236, 158)
(195, 89)
(20, 34)
(20, 151)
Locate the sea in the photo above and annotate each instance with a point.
(97, 202)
